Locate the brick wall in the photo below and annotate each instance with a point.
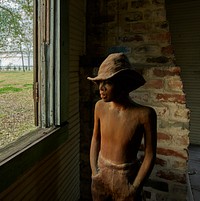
(136, 27)
(140, 29)
(163, 91)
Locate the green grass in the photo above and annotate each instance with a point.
(16, 108)
(15, 81)
(9, 89)
(16, 77)
(28, 86)
(2, 115)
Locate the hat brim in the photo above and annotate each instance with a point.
(104, 77)
(133, 78)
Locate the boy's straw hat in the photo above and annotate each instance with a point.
(118, 64)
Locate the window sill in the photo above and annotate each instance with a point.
(25, 152)
(11, 150)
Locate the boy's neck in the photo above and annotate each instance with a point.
(121, 103)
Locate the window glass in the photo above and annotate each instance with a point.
(16, 70)
(32, 68)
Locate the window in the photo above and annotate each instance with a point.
(16, 70)
(50, 69)
(49, 76)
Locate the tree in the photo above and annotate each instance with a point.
(16, 26)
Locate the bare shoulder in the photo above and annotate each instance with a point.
(146, 113)
(100, 106)
(148, 110)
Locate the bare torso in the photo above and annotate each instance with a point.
(121, 131)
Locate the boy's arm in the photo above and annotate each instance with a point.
(150, 144)
(95, 143)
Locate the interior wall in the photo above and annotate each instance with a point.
(184, 20)
(56, 176)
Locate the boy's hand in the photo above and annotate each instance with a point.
(132, 193)
(95, 172)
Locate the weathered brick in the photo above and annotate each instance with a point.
(138, 4)
(159, 14)
(164, 37)
(148, 14)
(124, 49)
(170, 152)
(157, 27)
(172, 71)
(147, 50)
(168, 50)
(165, 123)
(132, 38)
(147, 194)
(163, 136)
(158, 2)
(123, 5)
(162, 197)
(179, 189)
(158, 185)
(163, 25)
(173, 176)
(182, 113)
(181, 140)
(179, 164)
(154, 84)
(155, 14)
(134, 16)
(139, 27)
(112, 8)
(175, 98)
(162, 112)
(160, 59)
(174, 84)
(161, 162)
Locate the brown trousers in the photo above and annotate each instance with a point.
(112, 183)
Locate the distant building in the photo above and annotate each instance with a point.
(16, 61)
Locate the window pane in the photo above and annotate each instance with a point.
(16, 69)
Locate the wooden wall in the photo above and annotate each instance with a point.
(56, 176)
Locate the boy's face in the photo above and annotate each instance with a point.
(107, 90)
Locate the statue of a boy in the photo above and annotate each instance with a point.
(119, 126)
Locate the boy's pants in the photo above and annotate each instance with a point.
(112, 182)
